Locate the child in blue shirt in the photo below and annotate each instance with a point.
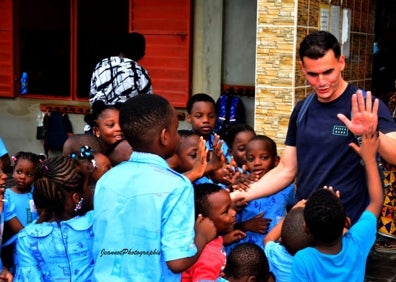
(284, 240)
(144, 215)
(190, 157)
(58, 246)
(20, 194)
(201, 114)
(261, 215)
(335, 255)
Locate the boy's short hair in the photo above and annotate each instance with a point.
(324, 215)
(233, 131)
(293, 234)
(74, 143)
(200, 97)
(247, 259)
(269, 140)
(142, 118)
(316, 44)
(186, 133)
(201, 194)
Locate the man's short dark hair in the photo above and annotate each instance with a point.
(316, 44)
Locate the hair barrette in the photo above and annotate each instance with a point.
(14, 159)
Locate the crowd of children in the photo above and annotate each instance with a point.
(142, 200)
(141, 204)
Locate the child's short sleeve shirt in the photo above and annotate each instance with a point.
(348, 265)
(144, 217)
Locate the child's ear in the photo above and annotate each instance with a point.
(251, 279)
(188, 118)
(95, 131)
(164, 137)
(276, 161)
(348, 223)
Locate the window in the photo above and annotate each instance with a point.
(61, 41)
(58, 44)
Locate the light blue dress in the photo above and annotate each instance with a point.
(24, 206)
(56, 251)
(144, 217)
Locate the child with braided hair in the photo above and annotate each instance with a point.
(58, 246)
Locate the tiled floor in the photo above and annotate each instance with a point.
(381, 267)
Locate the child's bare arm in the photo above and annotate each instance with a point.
(14, 224)
(367, 151)
(205, 231)
(275, 234)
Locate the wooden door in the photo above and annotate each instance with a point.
(6, 50)
(167, 28)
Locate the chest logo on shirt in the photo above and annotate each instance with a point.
(340, 130)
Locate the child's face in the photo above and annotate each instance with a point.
(238, 149)
(187, 152)
(3, 180)
(108, 127)
(202, 118)
(220, 211)
(259, 159)
(173, 136)
(23, 174)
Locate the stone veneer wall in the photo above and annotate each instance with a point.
(281, 25)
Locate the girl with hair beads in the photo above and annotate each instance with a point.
(58, 245)
(20, 194)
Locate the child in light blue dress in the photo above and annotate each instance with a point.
(58, 246)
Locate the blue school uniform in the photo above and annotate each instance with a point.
(24, 206)
(347, 265)
(144, 217)
(56, 251)
(274, 208)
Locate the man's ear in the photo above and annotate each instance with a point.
(342, 62)
(302, 67)
(188, 118)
